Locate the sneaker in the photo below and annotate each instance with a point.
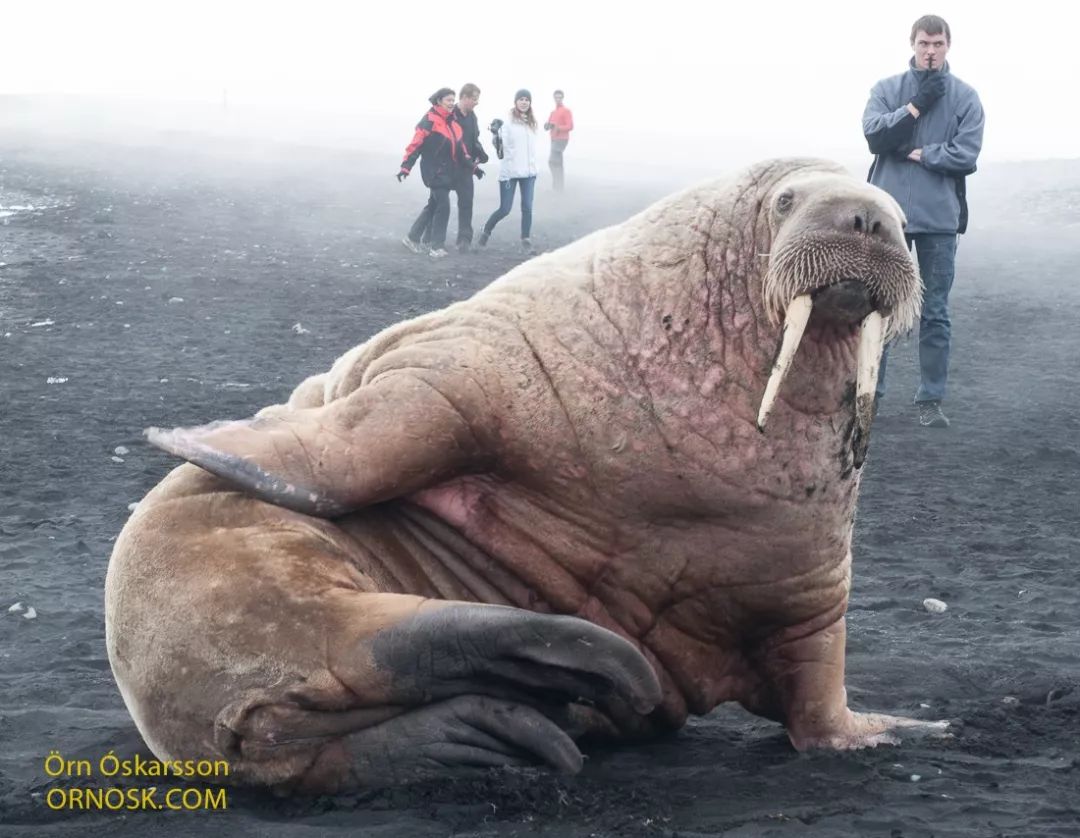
(932, 416)
(411, 245)
(526, 245)
(483, 240)
(438, 252)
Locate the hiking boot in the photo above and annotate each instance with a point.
(438, 252)
(413, 246)
(932, 416)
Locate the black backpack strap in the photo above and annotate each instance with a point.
(961, 196)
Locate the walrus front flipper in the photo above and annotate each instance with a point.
(387, 438)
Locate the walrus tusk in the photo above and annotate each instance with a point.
(798, 312)
(871, 345)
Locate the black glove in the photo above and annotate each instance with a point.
(404, 173)
(548, 126)
(931, 88)
(479, 173)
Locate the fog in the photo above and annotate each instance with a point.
(688, 88)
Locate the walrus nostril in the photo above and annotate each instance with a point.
(867, 224)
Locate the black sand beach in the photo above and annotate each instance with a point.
(162, 286)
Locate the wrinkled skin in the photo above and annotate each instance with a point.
(538, 514)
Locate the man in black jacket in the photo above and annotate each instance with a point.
(465, 117)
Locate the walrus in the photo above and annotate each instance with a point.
(613, 488)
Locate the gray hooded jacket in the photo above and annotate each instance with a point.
(949, 133)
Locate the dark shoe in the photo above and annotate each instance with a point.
(413, 246)
(483, 240)
(464, 247)
(932, 416)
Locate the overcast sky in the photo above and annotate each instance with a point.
(676, 80)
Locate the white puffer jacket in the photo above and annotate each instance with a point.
(521, 147)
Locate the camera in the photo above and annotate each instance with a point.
(496, 140)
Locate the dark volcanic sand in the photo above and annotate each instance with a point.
(163, 286)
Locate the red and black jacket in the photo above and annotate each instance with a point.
(439, 146)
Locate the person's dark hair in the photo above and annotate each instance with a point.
(438, 94)
(469, 90)
(931, 25)
(558, 93)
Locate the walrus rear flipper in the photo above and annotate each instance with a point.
(388, 438)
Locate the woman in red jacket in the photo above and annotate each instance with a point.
(438, 145)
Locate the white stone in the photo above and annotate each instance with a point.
(132, 507)
(30, 614)
(16, 608)
(934, 606)
(120, 451)
(300, 330)
(55, 380)
(176, 299)
(1010, 700)
(916, 777)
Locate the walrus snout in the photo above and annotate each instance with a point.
(867, 217)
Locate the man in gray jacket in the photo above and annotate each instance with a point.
(925, 128)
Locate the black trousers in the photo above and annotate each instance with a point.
(431, 223)
(465, 188)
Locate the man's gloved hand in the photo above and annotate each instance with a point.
(404, 173)
(931, 88)
(479, 173)
(548, 126)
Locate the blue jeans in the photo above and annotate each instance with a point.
(506, 203)
(937, 264)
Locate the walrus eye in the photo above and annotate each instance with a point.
(784, 202)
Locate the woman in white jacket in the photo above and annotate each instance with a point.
(520, 145)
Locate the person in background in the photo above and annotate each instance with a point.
(465, 116)
(439, 146)
(925, 127)
(560, 123)
(518, 138)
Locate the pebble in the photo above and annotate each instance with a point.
(120, 451)
(934, 606)
(176, 299)
(1010, 701)
(300, 330)
(132, 507)
(30, 613)
(16, 608)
